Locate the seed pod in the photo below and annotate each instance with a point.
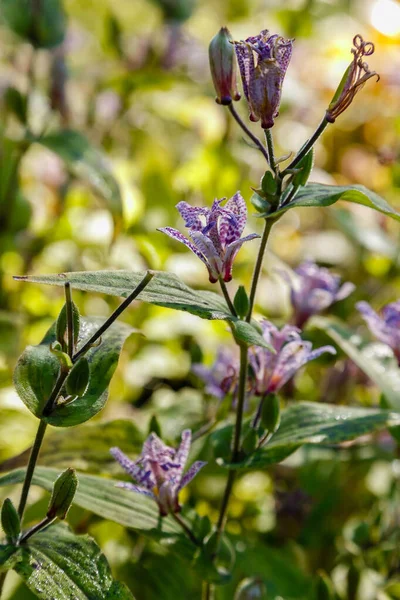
(78, 378)
(10, 521)
(241, 302)
(223, 67)
(271, 413)
(63, 494)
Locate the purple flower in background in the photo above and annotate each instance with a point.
(159, 471)
(215, 234)
(262, 82)
(221, 378)
(314, 290)
(385, 327)
(272, 371)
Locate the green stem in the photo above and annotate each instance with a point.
(38, 527)
(145, 281)
(227, 297)
(258, 266)
(70, 319)
(208, 593)
(186, 529)
(48, 407)
(271, 152)
(31, 467)
(251, 135)
(307, 146)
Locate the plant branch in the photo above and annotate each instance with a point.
(258, 266)
(186, 529)
(251, 135)
(70, 319)
(227, 297)
(38, 527)
(271, 152)
(307, 146)
(145, 281)
(31, 467)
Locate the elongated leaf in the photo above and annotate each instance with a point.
(57, 564)
(42, 25)
(87, 450)
(37, 368)
(319, 195)
(321, 424)
(102, 497)
(165, 289)
(376, 360)
(86, 163)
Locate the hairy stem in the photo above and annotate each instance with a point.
(271, 152)
(186, 529)
(227, 297)
(251, 135)
(31, 467)
(145, 281)
(258, 266)
(307, 146)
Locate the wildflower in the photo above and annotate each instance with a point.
(262, 82)
(314, 290)
(215, 234)
(159, 471)
(356, 74)
(386, 327)
(221, 378)
(272, 371)
(223, 67)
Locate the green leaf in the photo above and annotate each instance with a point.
(42, 25)
(102, 497)
(247, 333)
(320, 195)
(37, 369)
(376, 360)
(87, 450)
(86, 163)
(320, 424)
(304, 167)
(58, 564)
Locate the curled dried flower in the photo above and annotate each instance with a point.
(355, 76)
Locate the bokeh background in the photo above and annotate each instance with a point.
(133, 78)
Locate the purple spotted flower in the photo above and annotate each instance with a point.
(221, 378)
(215, 234)
(262, 80)
(271, 371)
(159, 471)
(313, 290)
(385, 327)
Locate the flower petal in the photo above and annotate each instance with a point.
(179, 237)
(191, 473)
(182, 453)
(136, 488)
(191, 215)
(130, 466)
(230, 254)
(245, 58)
(231, 231)
(212, 258)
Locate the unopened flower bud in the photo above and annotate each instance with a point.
(10, 521)
(223, 67)
(63, 494)
(241, 302)
(61, 326)
(271, 413)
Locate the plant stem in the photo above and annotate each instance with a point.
(70, 319)
(48, 407)
(146, 279)
(186, 529)
(258, 266)
(227, 297)
(207, 591)
(38, 527)
(31, 467)
(307, 146)
(271, 153)
(251, 135)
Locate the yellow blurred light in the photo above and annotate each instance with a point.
(385, 17)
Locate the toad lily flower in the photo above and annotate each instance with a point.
(221, 378)
(355, 76)
(313, 290)
(272, 371)
(215, 234)
(386, 327)
(262, 82)
(159, 471)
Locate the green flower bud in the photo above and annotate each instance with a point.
(241, 302)
(250, 441)
(10, 521)
(78, 378)
(63, 493)
(223, 67)
(154, 426)
(271, 413)
(61, 327)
